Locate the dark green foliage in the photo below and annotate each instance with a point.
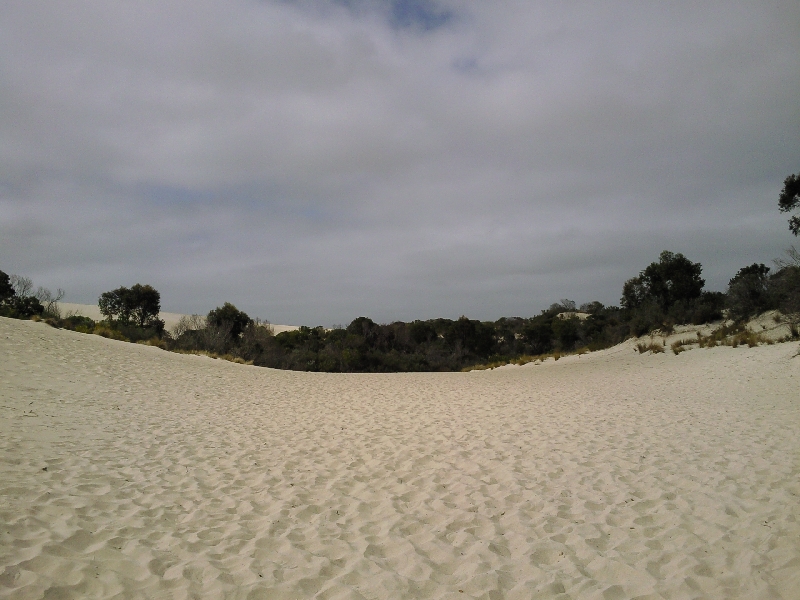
(566, 333)
(226, 330)
(136, 306)
(747, 292)
(77, 323)
(135, 333)
(466, 337)
(707, 308)
(21, 307)
(783, 290)
(538, 333)
(753, 290)
(666, 293)
(6, 289)
(790, 200)
(421, 332)
(674, 278)
(229, 317)
(14, 305)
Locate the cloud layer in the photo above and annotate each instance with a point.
(316, 161)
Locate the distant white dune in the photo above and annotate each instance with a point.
(170, 319)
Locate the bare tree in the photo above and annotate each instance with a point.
(50, 301)
(792, 259)
(188, 323)
(22, 285)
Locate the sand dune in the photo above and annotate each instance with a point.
(170, 319)
(130, 472)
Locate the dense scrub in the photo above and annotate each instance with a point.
(666, 293)
(433, 345)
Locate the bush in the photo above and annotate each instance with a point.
(229, 318)
(188, 323)
(50, 301)
(747, 292)
(651, 347)
(784, 291)
(566, 333)
(16, 300)
(672, 279)
(77, 323)
(105, 331)
(6, 289)
(21, 307)
(138, 305)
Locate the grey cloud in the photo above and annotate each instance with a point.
(313, 161)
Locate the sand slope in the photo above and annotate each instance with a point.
(130, 472)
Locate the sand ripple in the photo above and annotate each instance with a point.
(129, 472)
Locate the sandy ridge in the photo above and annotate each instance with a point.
(611, 475)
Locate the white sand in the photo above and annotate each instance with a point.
(170, 319)
(612, 475)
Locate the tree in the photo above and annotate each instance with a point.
(50, 301)
(674, 278)
(228, 316)
(747, 292)
(21, 307)
(784, 286)
(15, 301)
(566, 332)
(6, 289)
(138, 305)
(790, 199)
(23, 286)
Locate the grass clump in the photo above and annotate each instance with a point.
(109, 333)
(680, 345)
(154, 341)
(653, 347)
(229, 357)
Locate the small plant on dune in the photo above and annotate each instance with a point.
(524, 360)
(228, 357)
(749, 338)
(651, 347)
(154, 341)
(680, 345)
(107, 332)
(733, 335)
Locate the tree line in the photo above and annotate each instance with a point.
(666, 293)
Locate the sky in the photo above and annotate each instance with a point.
(312, 161)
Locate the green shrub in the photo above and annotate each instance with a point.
(77, 322)
(105, 331)
(21, 307)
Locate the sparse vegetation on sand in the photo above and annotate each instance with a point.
(665, 294)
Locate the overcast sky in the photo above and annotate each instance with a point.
(312, 161)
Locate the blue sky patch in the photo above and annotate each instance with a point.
(420, 14)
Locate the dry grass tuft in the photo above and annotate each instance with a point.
(651, 347)
(229, 357)
(154, 341)
(106, 332)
